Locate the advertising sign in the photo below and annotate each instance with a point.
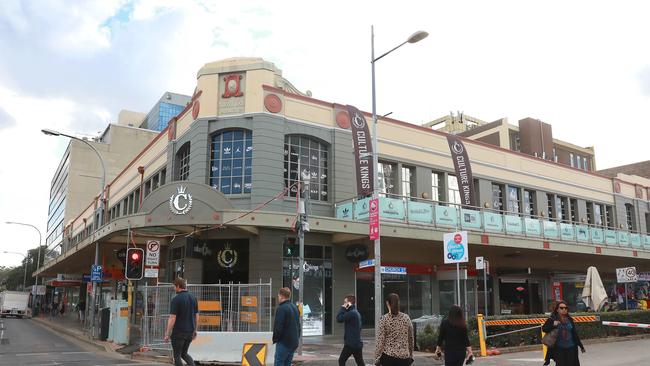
(610, 237)
(624, 238)
(463, 170)
(533, 227)
(344, 211)
(455, 246)
(363, 158)
(373, 219)
(446, 216)
(391, 208)
(551, 230)
(470, 218)
(513, 224)
(566, 231)
(493, 222)
(361, 209)
(597, 235)
(635, 240)
(582, 233)
(420, 212)
(626, 275)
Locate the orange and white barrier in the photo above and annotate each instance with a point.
(628, 325)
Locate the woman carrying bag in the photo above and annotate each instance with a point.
(453, 338)
(567, 341)
(395, 339)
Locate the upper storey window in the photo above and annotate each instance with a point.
(311, 155)
(231, 164)
(183, 162)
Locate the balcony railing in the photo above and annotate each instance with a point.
(452, 216)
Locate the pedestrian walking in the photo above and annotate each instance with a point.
(182, 323)
(352, 343)
(286, 328)
(81, 308)
(453, 339)
(565, 351)
(395, 339)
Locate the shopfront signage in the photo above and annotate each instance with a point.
(566, 231)
(392, 208)
(420, 212)
(551, 230)
(373, 219)
(455, 247)
(635, 240)
(227, 257)
(533, 227)
(180, 203)
(610, 237)
(446, 216)
(463, 170)
(624, 238)
(626, 275)
(513, 224)
(356, 253)
(361, 209)
(362, 142)
(493, 222)
(470, 218)
(582, 233)
(344, 211)
(597, 235)
(646, 241)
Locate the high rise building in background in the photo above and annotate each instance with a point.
(168, 106)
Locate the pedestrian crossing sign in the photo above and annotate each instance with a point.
(254, 354)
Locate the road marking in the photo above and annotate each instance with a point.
(73, 353)
(49, 353)
(526, 359)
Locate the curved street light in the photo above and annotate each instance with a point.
(415, 37)
(24, 265)
(40, 242)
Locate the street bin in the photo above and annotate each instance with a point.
(104, 323)
(420, 323)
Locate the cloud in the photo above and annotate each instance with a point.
(6, 120)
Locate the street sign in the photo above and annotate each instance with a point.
(151, 272)
(480, 264)
(393, 270)
(626, 275)
(96, 273)
(366, 263)
(373, 219)
(254, 354)
(153, 253)
(455, 247)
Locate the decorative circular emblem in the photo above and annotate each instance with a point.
(196, 106)
(343, 120)
(180, 203)
(358, 121)
(272, 103)
(227, 258)
(457, 147)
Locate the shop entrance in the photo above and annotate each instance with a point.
(413, 288)
(521, 296)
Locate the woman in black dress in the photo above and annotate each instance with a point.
(565, 352)
(453, 338)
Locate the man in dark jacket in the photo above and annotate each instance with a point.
(353, 345)
(286, 329)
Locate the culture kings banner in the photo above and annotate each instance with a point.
(463, 171)
(362, 152)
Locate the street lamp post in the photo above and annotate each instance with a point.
(415, 37)
(24, 265)
(38, 260)
(101, 211)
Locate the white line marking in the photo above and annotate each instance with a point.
(526, 359)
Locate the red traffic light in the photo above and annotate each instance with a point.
(135, 256)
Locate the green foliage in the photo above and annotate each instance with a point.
(585, 330)
(427, 340)
(11, 278)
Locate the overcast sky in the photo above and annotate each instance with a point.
(583, 66)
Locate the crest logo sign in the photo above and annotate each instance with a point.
(180, 203)
(227, 257)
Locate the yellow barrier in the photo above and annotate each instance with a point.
(481, 334)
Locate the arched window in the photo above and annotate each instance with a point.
(231, 167)
(183, 162)
(312, 154)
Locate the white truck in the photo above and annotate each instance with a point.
(14, 303)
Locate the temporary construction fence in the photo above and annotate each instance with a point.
(235, 308)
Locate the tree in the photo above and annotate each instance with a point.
(13, 277)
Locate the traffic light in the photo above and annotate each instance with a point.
(134, 264)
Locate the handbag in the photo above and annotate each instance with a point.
(550, 338)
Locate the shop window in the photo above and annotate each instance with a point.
(436, 186)
(408, 181)
(183, 162)
(312, 156)
(514, 201)
(231, 169)
(453, 192)
(497, 196)
(529, 202)
(387, 173)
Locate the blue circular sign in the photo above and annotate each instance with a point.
(455, 251)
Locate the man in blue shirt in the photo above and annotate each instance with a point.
(286, 328)
(182, 323)
(353, 345)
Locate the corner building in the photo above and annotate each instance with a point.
(216, 187)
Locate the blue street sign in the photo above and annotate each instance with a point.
(96, 273)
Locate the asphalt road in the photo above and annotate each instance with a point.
(599, 354)
(29, 343)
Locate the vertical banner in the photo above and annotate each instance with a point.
(373, 219)
(362, 152)
(463, 170)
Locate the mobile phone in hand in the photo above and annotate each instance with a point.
(470, 360)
